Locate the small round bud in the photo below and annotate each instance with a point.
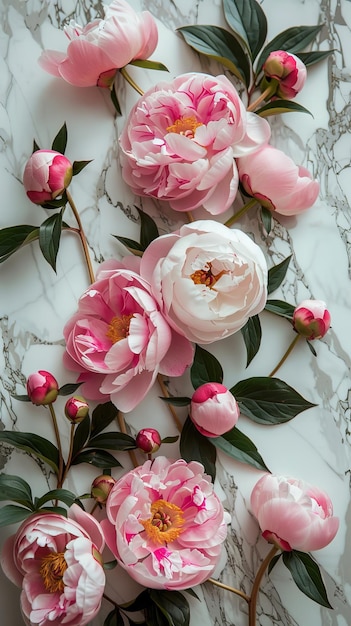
(76, 409)
(311, 319)
(213, 409)
(285, 73)
(148, 440)
(42, 388)
(46, 175)
(101, 487)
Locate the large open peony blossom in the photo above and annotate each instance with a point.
(119, 340)
(181, 138)
(57, 562)
(165, 525)
(207, 278)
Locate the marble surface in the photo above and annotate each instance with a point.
(35, 302)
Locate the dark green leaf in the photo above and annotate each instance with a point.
(220, 45)
(34, 444)
(273, 562)
(170, 439)
(63, 495)
(268, 400)
(149, 65)
(277, 107)
(98, 458)
(102, 417)
(112, 441)
(54, 509)
(279, 307)
(311, 348)
(154, 616)
(114, 100)
(49, 238)
(192, 593)
(309, 58)
(277, 273)
(307, 576)
(22, 398)
(12, 514)
(133, 246)
(16, 489)
(57, 203)
(205, 368)
(14, 237)
(241, 448)
(194, 446)
(292, 39)
(248, 20)
(81, 435)
(110, 564)
(78, 166)
(148, 230)
(114, 619)
(252, 334)
(176, 401)
(60, 142)
(35, 146)
(173, 605)
(69, 389)
(267, 219)
(138, 604)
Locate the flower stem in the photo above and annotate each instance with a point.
(171, 408)
(264, 95)
(58, 440)
(256, 586)
(285, 356)
(123, 429)
(228, 588)
(70, 452)
(129, 80)
(82, 237)
(190, 216)
(241, 212)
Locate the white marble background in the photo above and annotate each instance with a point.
(35, 302)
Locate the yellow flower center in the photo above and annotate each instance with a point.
(166, 522)
(185, 126)
(52, 569)
(205, 277)
(119, 328)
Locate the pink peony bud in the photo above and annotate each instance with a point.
(42, 388)
(101, 487)
(148, 440)
(311, 319)
(213, 409)
(46, 175)
(76, 409)
(287, 73)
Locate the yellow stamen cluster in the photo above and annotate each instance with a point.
(119, 328)
(52, 569)
(205, 277)
(166, 522)
(185, 126)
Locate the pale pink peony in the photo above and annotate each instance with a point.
(213, 409)
(165, 525)
(311, 319)
(119, 340)
(286, 72)
(42, 388)
(46, 175)
(57, 562)
(293, 514)
(181, 138)
(98, 50)
(276, 182)
(208, 279)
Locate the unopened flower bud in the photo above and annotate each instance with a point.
(42, 388)
(148, 440)
(101, 487)
(46, 175)
(286, 72)
(76, 409)
(311, 319)
(213, 409)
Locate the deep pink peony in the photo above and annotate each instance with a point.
(46, 175)
(213, 409)
(119, 340)
(311, 319)
(293, 514)
(57, 562)
(276, 182)
(42, 388)
(286, 71)
(208, 279)
(165, 525)
(96, 51)
(181, 138)
(148, 440)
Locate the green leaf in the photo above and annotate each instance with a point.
(35, 146)
(114, 100)
(63, 495)
(98, 458)
(268, 400)
(148, 230)
(292, 39)
(248, 20)
(78, 166)
(170, 439)
(34, 444)
(102, 417)
(60, 142)
(69, 389)
(194, 446)
(138, 604)
(133, 246)
(49, 238)
(12, 514)
(81, 435)
(241, 448)
(279, 307)
(307, 576)
(311, 347)
(112, 441)
(114, 619)
(57, 203)
(267, 219)
(173, 605)
(149, 65)
(14, 237)
(21, 398)
(273, 562)
(309, 58)
(252, 334)
(277, 107)
(110, 564)
(176, 401)
(16, 489)
(277, 273)
(205, 368)
(220, 45)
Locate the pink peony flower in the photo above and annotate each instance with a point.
(119, 340)
(98, 50)
(311, 319)
(57, 562)
(207, 278)
(276, 182)
(46, 175)
(76, 409)
(292, 514)
(213, 409)
(42, 388)
(286, 71)
(181, 138)
(148, 440)
(165, 525)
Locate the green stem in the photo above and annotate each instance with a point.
(269, 91)
(228, 588)
(123, 429)
(256, 585)
(170, 407)
(82, 237)
(70, 452)
(241, 212)
(285, 356)
(129, 80)
(58, 441)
